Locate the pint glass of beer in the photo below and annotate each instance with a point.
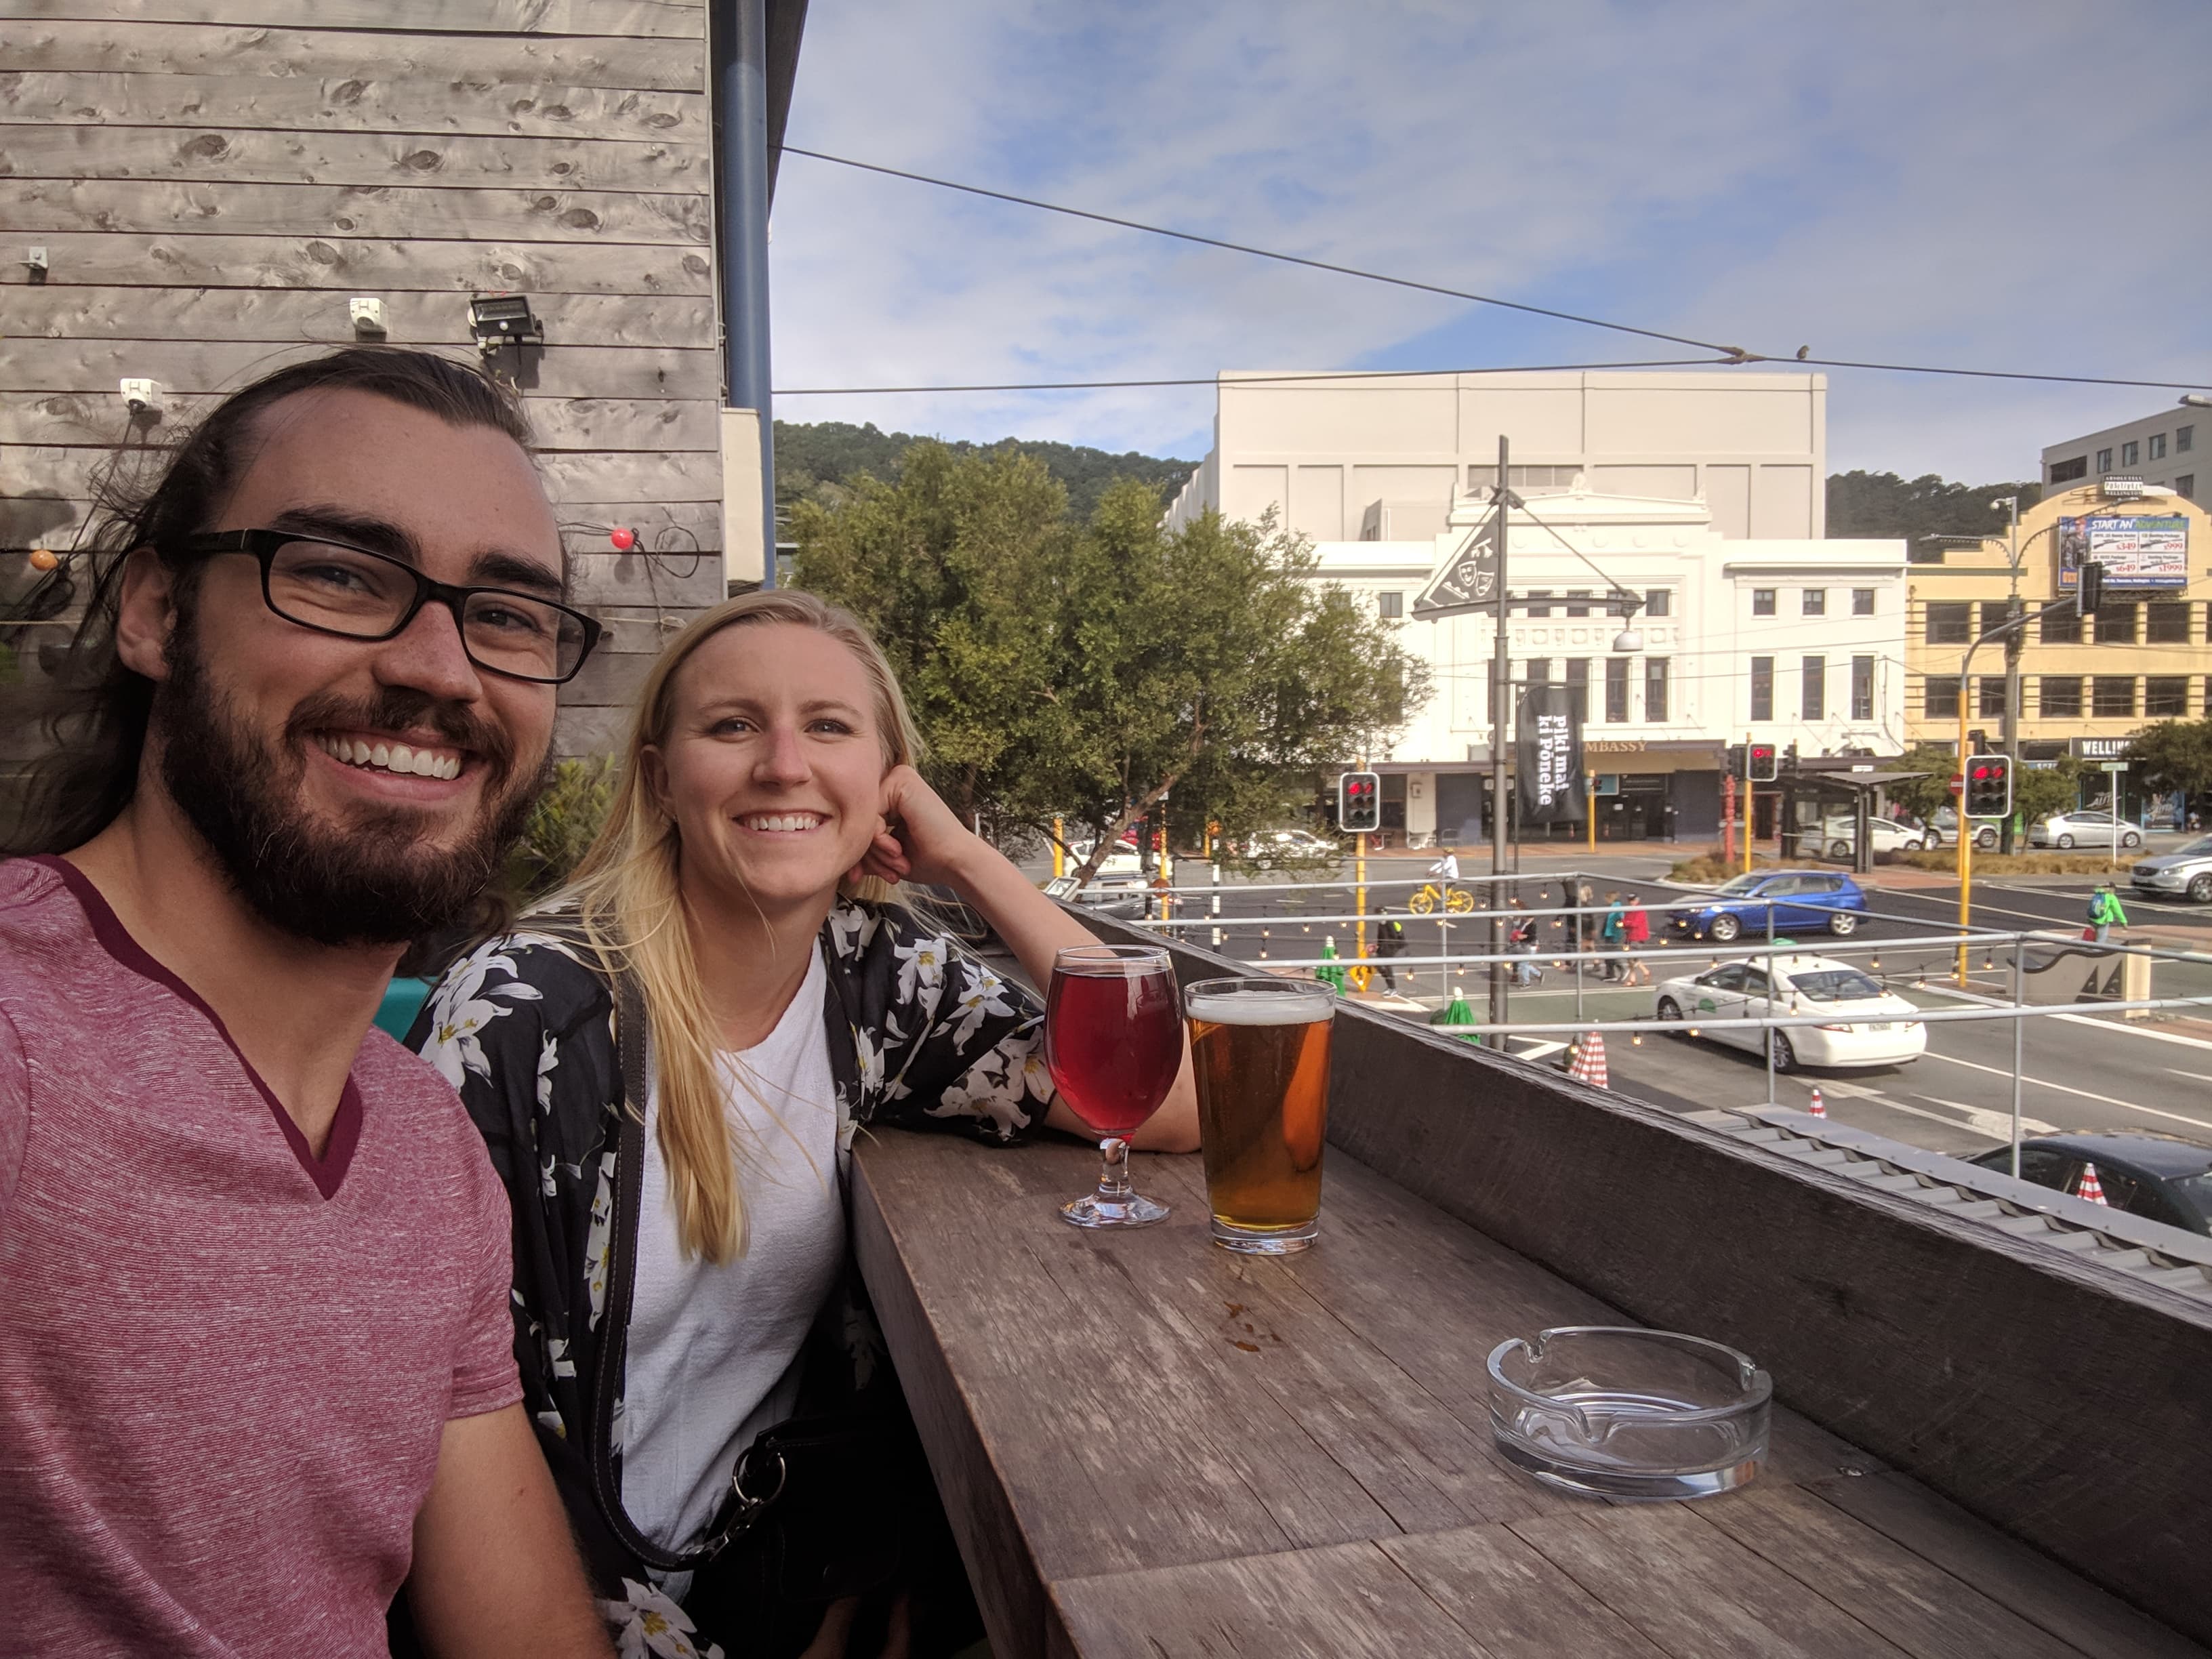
(1259, 1049)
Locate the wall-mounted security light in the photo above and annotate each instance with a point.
(365, 313)
(503, 320)
(35, 264)
(142, 397)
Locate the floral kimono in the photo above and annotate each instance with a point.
(921, 1032)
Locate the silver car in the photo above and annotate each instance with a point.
(2186, 871)
(2083, 830)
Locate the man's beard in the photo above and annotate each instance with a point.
(374, 881)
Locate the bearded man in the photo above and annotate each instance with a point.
(255, 1351)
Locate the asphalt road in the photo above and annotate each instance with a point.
(2077, 1072)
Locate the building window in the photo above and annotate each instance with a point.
(1762, 688)
(1655, 691)
(2158, 445)
(1538, 603)
(1950, 622)
(1658, 601)
(2067, 471)
(2185, 440)
(2165, 622)
(2130, 453)
(1814, 602)
(1762, 601)
(1390, 605)
(1539, 671)
(1616, 689)
(1994, 615)
(2185, 485)
(1578, 602)
(2062, 623)
(1861, 688)
(1862, 601)
(1940, 696)
(2061, 697)
(2116, 622)
(1578, 687)
(1990, 704)
(2104, 460)
(2112, 697)
(1813, 677)
(2165, 696)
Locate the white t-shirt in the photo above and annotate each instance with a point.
(713, 1346)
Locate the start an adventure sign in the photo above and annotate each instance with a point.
(2136, 549)
(1547, 756)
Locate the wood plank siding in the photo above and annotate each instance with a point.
(213, 179)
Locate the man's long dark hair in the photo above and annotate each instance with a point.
(94, 712)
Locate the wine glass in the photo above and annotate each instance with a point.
(1112, 1041)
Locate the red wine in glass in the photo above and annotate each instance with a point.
(1113, 1045)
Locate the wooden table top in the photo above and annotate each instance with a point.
(1150, 1447)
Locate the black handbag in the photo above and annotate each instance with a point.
(816, 1502)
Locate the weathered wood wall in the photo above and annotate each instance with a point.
(213, 179)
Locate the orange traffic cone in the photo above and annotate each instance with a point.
(1589, 1063)
(1817, 1107)
(2090, 1188)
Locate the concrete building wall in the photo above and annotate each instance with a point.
(211, 181)
(1364, 456)
(2170, 447)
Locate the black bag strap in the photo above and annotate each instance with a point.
(633, 1043)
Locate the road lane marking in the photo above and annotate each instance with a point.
(1997, 1126)
(2197, 1123)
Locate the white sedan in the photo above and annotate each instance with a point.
(1871, 1027)
(2063, 830)
(1887, 834)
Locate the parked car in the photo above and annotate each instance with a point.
(2083, 830)
(2187, 870)
(1887, 835)
(2158, 1177)
(1798, 898)
(1943, 829)
(1873, 1026)
(1122, 860)
(1291, 847)
(1122, 894)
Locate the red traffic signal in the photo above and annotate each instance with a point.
(1761, 763)
(1359, 802)
(1988, 791)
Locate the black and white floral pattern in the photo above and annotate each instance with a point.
(921, 1033)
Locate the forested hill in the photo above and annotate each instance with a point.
(1883, 505)
(815, 460)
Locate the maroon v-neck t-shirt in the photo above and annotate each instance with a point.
(225, 1363)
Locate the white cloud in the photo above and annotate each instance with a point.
(1988, 186)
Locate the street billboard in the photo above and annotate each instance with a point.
(2137, 550)
(1547, 758)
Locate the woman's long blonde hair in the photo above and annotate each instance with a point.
(629, 895)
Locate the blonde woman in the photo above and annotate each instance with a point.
(674, 1253)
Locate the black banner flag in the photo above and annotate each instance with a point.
(1547, 755)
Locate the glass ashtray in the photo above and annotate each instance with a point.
(1616, 1412)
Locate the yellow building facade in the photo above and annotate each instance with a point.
(2086, 683)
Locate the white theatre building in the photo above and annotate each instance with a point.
(1699, 494)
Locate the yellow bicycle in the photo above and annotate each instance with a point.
(1457, 901)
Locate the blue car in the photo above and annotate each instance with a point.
(1798, 898)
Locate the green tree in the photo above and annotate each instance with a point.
(1093, 671)
(824, 461)
(2174, 755)
(1882, 504)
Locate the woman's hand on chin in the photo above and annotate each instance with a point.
(918, 839)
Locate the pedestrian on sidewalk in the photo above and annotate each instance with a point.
(1525, 972)
(1636, 930)
(1390, 941)
(1613, 931)
(2105, 912)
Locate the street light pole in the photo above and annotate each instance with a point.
(2014, 619)
(1501, 692)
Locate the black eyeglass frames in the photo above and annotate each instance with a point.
(357, 594)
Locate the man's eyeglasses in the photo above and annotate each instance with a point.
(357, 594)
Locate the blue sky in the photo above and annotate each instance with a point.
(2013, 184)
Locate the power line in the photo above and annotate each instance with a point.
(1725, 355)
(1336, 375)
(1264, 253)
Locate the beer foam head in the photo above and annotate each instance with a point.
(1260, 1008)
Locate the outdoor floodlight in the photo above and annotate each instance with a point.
(503, 320)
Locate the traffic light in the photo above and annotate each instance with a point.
(1358, 803)
(1989, 786)
(2092, 586)
(1759, 763)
